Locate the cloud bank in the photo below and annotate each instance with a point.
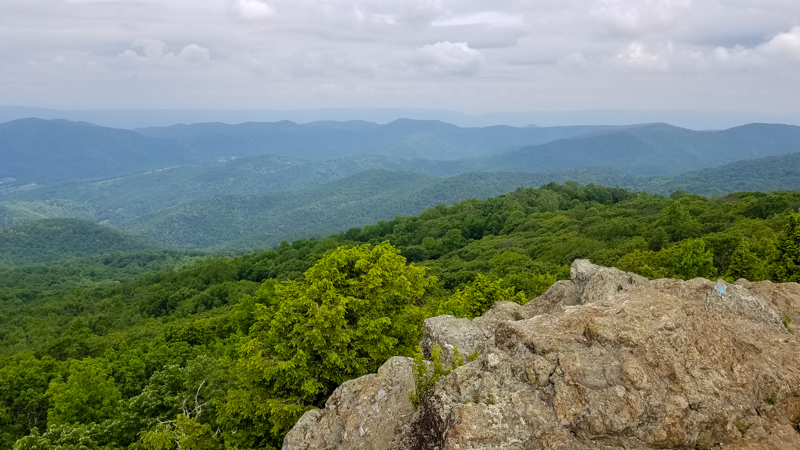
(473, 55)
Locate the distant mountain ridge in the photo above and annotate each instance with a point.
(51, 151)
(48, 152)
(139, 118)
(319, 141)
(209, 201)
(656, 149)
(55, 151)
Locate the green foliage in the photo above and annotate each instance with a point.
(678, 223)
(427, 373)
(119, 350)
(354, 309)
(50, 240)
(646, 263)
(688, 259)
(745, 264)
(24, 380)
(69, 437)
(88, 395)
(184, 432)
(786, 261)
(478, 296)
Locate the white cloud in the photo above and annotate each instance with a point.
(449, 58)
(194, 54)
(276, 52)
(638, 56)
(783, 45)
(252, 10)
(422, 12)
(639, 17)
(496, 18)
(155, 52)
(666, 56)
(782, 49)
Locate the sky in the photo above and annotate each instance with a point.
(473, 56)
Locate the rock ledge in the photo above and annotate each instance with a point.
(607, 359)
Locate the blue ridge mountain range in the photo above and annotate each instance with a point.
(216, 185)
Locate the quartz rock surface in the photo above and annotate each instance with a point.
(607, 359)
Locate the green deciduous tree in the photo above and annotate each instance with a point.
(23, 403)
(786, 259)
(678, 223)
(689, 259)
(355, 308)
(88, 395)
(646, 263)
(184, 433)
(69, 437)
(745, 264)
(477, 297)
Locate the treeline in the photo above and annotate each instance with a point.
(214, 353)
(541, 231)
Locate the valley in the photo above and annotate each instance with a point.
(357, 172)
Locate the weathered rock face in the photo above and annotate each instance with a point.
(605, 360)
(365, 413)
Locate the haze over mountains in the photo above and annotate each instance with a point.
(132, 118)
(214, 185)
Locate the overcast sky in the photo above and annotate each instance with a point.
(474, 56)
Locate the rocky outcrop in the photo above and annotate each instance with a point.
(364, 413)
(607, 359)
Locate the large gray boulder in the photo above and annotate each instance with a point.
(364, 413)
(609, 359)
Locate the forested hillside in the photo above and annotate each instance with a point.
(771, 173)
(372, 195)
(228, 352)
(320, 141)
(210, 186)
(50, 240)
(657, 149)
(57, 151)
(51, 151)
(13, 213)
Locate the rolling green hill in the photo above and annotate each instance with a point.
(772, 173)
(319, 141)
(52, 151)
(12, 213)
(127, 197)
(258, 201)
(253, 214)
(239, 204)
(36, 151)
(317, 211)
(93, 356)
(48, 152)
(50, 240)
(656, 149)
(264, 220)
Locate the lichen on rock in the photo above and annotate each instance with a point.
(607, 359)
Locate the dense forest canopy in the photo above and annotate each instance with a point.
(154, 349)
